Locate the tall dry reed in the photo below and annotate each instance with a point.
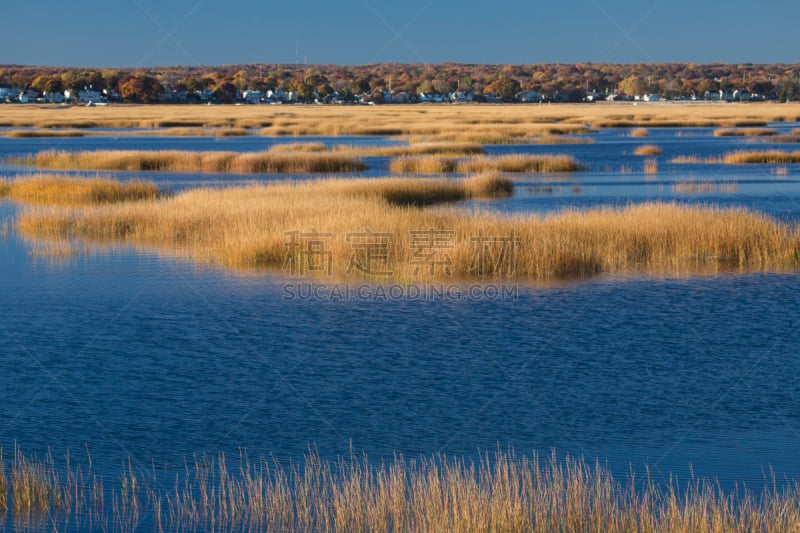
(499, 492)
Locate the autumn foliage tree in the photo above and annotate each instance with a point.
(226, 92)
(140, 88)
(504, 88)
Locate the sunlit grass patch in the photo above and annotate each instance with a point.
(648, 149)
(765, 157)
(67, 190)
(488, 186)
(39, 133)
(745, 132)
(515, 163)
(558, 139)
(185, 161)
(297, 147)
(425, 148)
(520, 163)
(423, 165)
(694, 160)
(246, 227)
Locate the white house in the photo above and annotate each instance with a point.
(461, 96)
(252, 97)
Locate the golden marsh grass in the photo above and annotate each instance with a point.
(765, 157)
(36, 133)
(185, 161)
(423, 165)
(515, 163)
(484, 124)
(694, 159)
(745, 132)
(693, 187)
(651, 167)
(297, 148)
(426, 148)
(499, 492)
(639, 132)
(648, 149)
(423, 148)
(161, 132)
(67, 190)
(557, 139)
(247, 227)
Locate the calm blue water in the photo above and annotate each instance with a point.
(135, 355)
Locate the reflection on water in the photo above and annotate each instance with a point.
(134, 354)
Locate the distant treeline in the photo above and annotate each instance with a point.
(570, 82)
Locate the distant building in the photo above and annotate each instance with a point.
(462, 96)
(54, 98)
(742, 96)
(401, 98)
(90, 95)
(528, 97)
(252, 97)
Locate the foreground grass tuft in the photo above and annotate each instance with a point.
(496, 492)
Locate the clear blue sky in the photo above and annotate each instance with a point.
(131, 33)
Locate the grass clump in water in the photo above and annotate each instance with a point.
(294, 148)
(639, 132)
(246, 227)
(766, 157)
(648, 149)
(515, 163)
(184, 161)
(745, 132)
(518, 163)
(423, 165)
(68, 190)
(489, 186)
(36, 133)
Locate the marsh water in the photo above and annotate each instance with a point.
(137, 355)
